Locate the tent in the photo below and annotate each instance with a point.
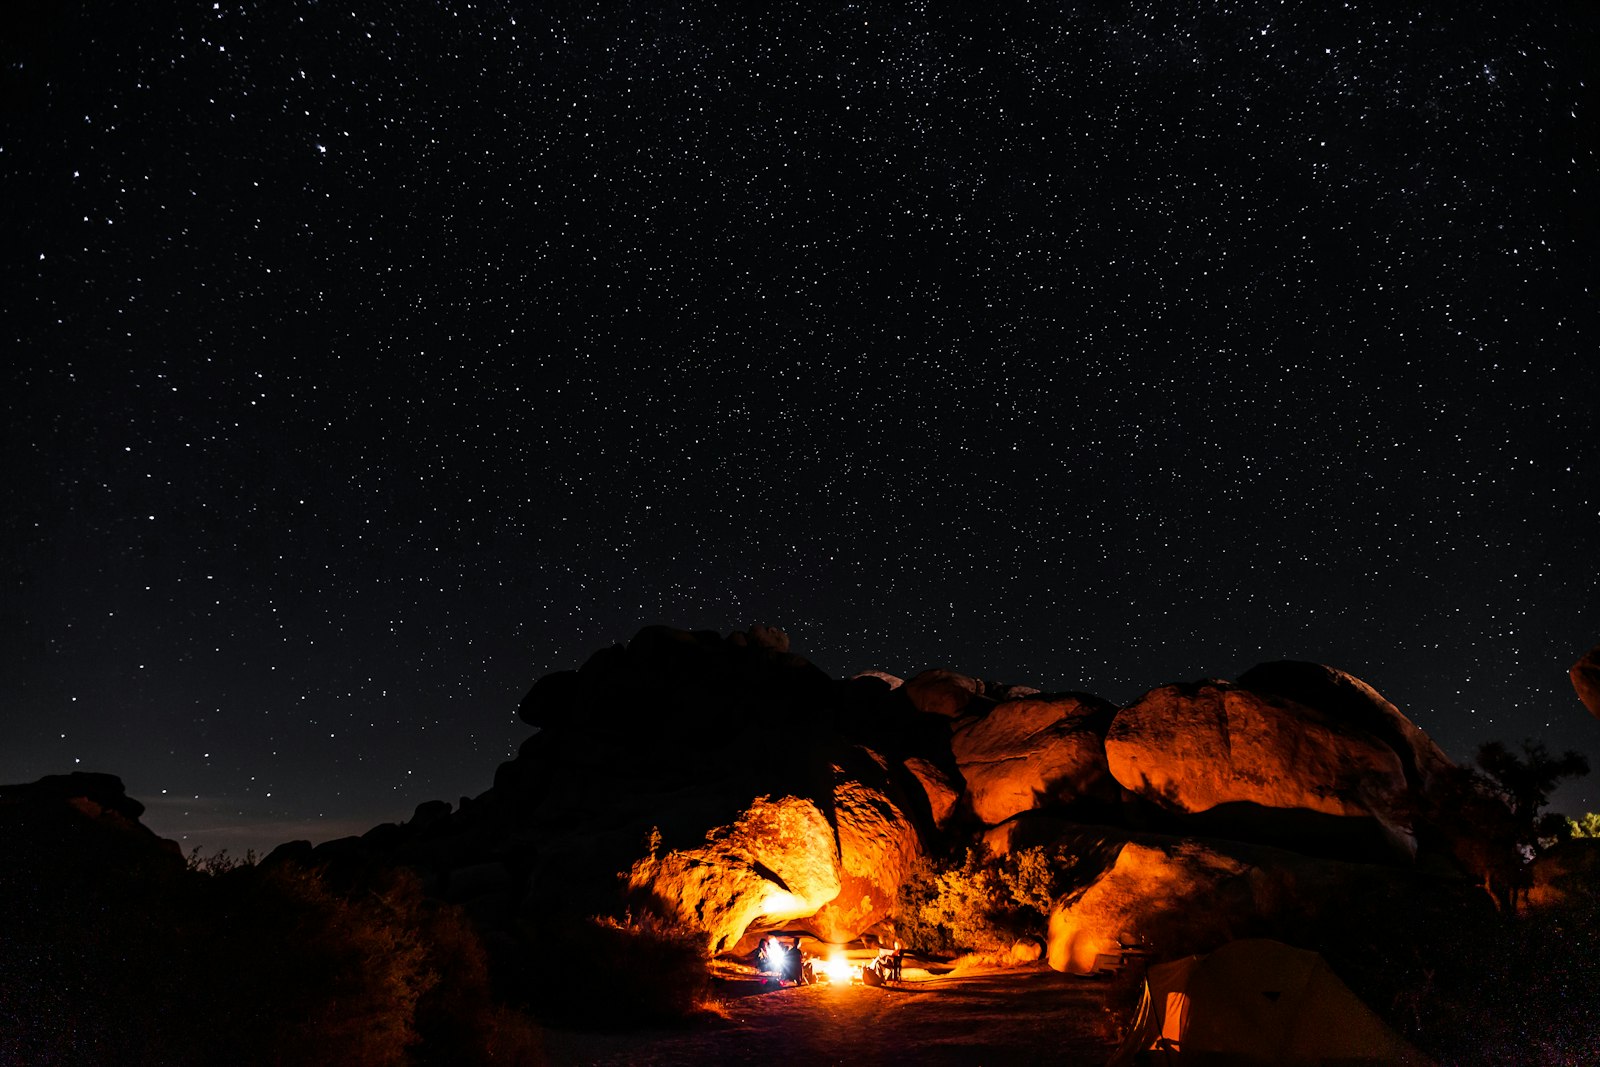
(1257, 1002)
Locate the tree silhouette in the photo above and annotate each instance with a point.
(1525, 781)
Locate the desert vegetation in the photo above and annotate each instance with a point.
(120, 952)
(976, 903)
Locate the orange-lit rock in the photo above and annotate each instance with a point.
(941, 692)
(1026, 950)
(877, 846)
(834, 868)
(1030, 752)
(1153, 895)
(1585, 676)
(1193, 747)
(941, 792)
(1345, 699)
(1174, 896)
(776, 863)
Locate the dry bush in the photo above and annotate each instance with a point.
(981, 905)
(608, 972)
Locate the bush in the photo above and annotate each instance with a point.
(977, 904)
(608, 972)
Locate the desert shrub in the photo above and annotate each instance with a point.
(367, 973)
(1586, 825)
(608, 972)
(458, 1020)
(976, 904)
(304, 974)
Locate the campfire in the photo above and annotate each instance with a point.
(837, 969)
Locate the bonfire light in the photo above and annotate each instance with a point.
(780, 903)
(838, 968)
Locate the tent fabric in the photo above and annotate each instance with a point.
(1257, 1002)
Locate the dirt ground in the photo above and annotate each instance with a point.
(1029, 1015)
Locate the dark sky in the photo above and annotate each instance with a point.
(365, 361)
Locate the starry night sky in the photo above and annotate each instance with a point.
(366, 361)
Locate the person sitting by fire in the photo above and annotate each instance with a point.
(889, 962)
(803, 970)
(782, 962)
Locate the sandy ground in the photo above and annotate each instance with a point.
(990, 1017)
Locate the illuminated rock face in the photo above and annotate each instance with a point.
(941, 792)
(786, 862)
(776, 864)
(1173, 896)
(1028, 752)
(877, 846)
(1191, 748)
(1585, 676)
(1345, 699)
(1160, 896)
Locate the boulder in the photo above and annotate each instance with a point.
(1032, 752)
(890, 680)
(1585, 676)
(94, 794)
(761, 636)
(1027, 950)
(1344, 698)
(941, 792)
(941, 692)
(1172, 896)
(1199, 747)
(777, 863)
(833, 866)
(877, 846)
(1167, 898)
(1030, 829)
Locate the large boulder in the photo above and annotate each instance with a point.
(834, 867)
(1214, 746)
(1585, 676)
(1344, 698)
(777, 863)
(1172, 896)
(941, 792)
(942, 692)
(1163, 897)
(1035, 752)
(877, 846)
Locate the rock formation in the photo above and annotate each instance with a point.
(1218, 747)
(941, 692)
(1174, 896)
(727, 783)
(1585, 676)
(1027, 752)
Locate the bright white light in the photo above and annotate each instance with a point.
(838, 968)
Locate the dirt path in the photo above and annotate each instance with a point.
(1019, 1016)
